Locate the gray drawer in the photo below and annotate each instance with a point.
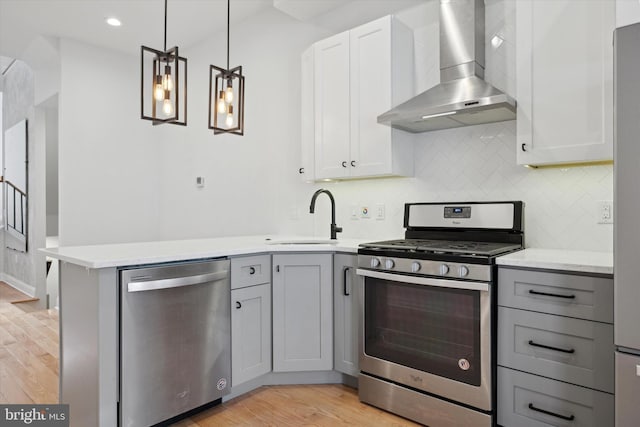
(250, 270)
(584, 297)
(526, 400)
(581, 351)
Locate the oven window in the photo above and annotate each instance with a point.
(431, 329)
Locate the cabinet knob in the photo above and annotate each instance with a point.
(353, 163)
(301, 171)
(344, 164)
(238, 304)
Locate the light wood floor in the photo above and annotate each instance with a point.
(29, 374)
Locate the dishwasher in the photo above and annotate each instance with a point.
(175, 339)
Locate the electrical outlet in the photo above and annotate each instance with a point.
(605, 211)
(365, 212)
(380, 211)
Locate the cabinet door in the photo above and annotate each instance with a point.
(370, 69)
(331, 67)
(346, 284)
(250, 333)
(565, 81)
(307, 137)
(302, 313)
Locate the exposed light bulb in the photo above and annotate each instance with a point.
(158, 91)
(167, 107)
(229, 119)
(222, 106)
(228, 94)
(167, 80)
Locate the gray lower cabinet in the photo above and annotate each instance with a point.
(345, 313)
(555, 349)
(250, 318)
(302, 312)
(250, 332)
(533, 401)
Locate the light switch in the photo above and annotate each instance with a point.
(380, 211)
(200, 181)
(638, 370)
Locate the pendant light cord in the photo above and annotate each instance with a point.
(228, 14)
(165, 25)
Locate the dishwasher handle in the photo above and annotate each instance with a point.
(153, 285)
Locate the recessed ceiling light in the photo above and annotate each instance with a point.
(114, 22)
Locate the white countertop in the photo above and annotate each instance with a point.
(126, 254)
(560, 259)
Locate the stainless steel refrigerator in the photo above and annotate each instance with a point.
(627, 224)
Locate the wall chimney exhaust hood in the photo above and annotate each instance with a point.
(462, 98)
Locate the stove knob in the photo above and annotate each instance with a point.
(415, 267)
(444, 269)
(375, 262)
(463, 271)
(389, 264)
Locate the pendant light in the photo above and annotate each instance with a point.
(163, 83)
(226, 96)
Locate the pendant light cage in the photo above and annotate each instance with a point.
(226, 100)
(163, 83)
(163, 86)
(226, 95)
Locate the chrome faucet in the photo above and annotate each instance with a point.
(334, 229)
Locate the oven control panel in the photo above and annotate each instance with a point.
(457, 211)
(450, 270)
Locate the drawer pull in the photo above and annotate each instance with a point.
(553, 414)
(238, 304)
(548, 347)
(252, 270)
(546, 294)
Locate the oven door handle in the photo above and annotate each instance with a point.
(425, 281)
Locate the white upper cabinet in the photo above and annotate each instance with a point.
(565, 81)
(331, 102)
(358, 75)
(306, 170)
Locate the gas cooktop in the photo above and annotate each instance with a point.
(445, 246)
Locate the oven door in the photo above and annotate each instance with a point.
(429, 334)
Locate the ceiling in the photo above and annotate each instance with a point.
(189, 21)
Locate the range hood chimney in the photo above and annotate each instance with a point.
(462, 98)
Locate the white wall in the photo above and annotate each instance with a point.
(244, 176)
(109, 159)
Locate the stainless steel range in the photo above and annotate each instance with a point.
(427, 339)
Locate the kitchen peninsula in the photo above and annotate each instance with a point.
(90, 322)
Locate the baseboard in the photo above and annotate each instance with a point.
(289, 378)
(18, 284)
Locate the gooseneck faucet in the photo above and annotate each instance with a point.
(334, 229)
